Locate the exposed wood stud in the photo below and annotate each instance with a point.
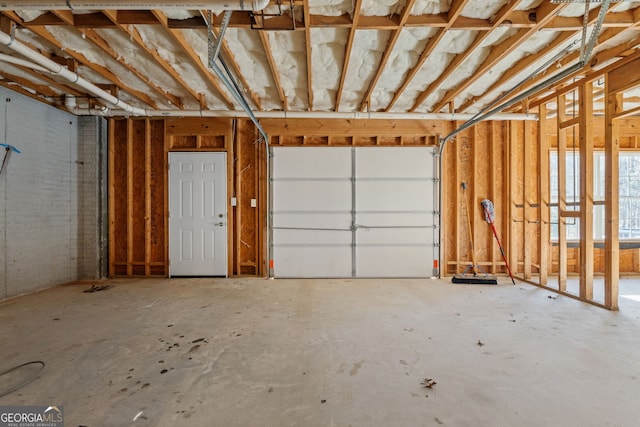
(129, 207)
(526, 199)
(275, 74)
(454, 12)
(492, 183)
(562, 194)
(586, 191)
(147, 199)
(347, 56)
(543, 190)
(389, 49)
(612, 195)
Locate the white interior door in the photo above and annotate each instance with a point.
(197, 214)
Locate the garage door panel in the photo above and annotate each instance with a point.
(311, 162)
(405, 219)
(379, 261)
(386, 194)
(394, 195)
(312, 196)
(311, 237)
(323, 220)
(324, 261)
(392, 162)
(394, 236)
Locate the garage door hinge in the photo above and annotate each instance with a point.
(434, 179)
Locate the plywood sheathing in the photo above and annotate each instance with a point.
(247, 188)
(476, 157)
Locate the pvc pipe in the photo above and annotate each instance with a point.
(133, 5)
(58, 70)
(17, 61)
(71, 106)
(334, 115)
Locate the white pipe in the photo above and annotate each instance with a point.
(334, 115)
(298, 114)
(17, 61)
(133, 5)
(71, 106)
(72, 77)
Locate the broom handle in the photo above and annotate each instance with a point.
(495, 233)
(473, 256)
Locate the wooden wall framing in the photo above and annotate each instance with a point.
(506, 162)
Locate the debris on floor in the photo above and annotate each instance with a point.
(428, 382)
(97, 288)
(551, 297)
(323, 401)
(139, 415)
(480, 343)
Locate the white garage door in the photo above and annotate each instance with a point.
(353, 212)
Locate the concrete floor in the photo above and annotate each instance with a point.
(255, 352)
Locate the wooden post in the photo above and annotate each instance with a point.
(512, 165)
(129, 197)
(526, 199)
(543, 189)
(611, 198)
(492, 185)
(586, 191)
(147, 197)
(562, 192)
(112, 204)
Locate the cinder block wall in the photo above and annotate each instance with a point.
(49, 229)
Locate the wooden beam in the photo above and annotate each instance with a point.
(147, 197)
(524, 64)
(39, 89)
(562, 197)
(569, 123)
(135, 36)
(454, 12)
(454, 65)
(98, 41)
(544, 12)
(586, 191)
(102, 71)
(611, 198)
(346, 127)
(513, 170)
(526, 198)
(178, 37)
(275, 74)
(129, 190)
(111, 203)
(543, 190)
(395, 35)
(347, 54)
(625, 77)
(307, 39)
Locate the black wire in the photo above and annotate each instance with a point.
(27, 381)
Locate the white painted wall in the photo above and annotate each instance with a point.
(48, 196)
